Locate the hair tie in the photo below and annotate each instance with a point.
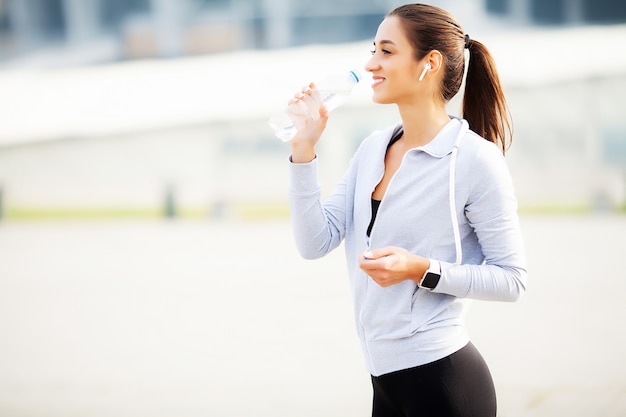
(467, 41)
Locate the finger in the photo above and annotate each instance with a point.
(375, 254)
(367, 264)
(371, 265)
(313, 102)
(310, 86)
(312, 98)
(382, 252)
(323, 112)
(298, 108)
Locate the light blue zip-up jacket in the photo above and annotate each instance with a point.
(402, 326)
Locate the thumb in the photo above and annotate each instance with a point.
(323, 112)
(377, 253)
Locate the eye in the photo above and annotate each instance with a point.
(384, 51)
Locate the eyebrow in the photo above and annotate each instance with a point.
(386, 41)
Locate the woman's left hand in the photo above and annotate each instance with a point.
(392, 265)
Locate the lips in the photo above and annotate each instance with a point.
(377, 81)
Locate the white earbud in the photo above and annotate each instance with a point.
(426, 68)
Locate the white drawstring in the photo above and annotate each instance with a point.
(455, 221)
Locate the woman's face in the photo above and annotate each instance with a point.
(393, 66)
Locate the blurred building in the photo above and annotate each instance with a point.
(87, 31)
(167, 28)
(190, 135)
(559, 12)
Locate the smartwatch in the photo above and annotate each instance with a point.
(431, 276)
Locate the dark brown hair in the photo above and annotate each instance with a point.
(430, 28)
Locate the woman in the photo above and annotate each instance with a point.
(428, 214)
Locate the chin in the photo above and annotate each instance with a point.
(380, 99)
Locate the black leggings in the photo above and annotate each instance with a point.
(458, 385)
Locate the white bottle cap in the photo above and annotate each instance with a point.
(356, 75)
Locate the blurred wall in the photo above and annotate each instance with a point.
(189, 135)
(133, 152)
(94, 31)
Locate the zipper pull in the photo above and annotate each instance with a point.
(367, 248)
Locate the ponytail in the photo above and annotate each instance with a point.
(484, 105)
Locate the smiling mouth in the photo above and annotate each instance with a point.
(377, 81)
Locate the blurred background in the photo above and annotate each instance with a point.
(146, 259)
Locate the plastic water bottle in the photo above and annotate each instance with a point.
(333, 91)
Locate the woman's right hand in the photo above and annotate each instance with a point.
(310, 116)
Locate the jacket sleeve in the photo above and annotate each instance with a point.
(318, 227)
(491, 211)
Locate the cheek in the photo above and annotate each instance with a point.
(383, 95)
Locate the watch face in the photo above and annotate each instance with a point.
(430, 280)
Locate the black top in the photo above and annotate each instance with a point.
(397, 134)
(375, 205)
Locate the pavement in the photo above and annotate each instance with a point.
(195, 318)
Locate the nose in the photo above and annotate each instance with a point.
(372, 64)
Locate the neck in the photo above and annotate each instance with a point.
(422, 122)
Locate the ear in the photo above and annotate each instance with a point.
(432, 64)
(435, 60)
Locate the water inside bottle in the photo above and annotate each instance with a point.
(332, 99)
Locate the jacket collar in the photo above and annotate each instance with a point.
(443, 143)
